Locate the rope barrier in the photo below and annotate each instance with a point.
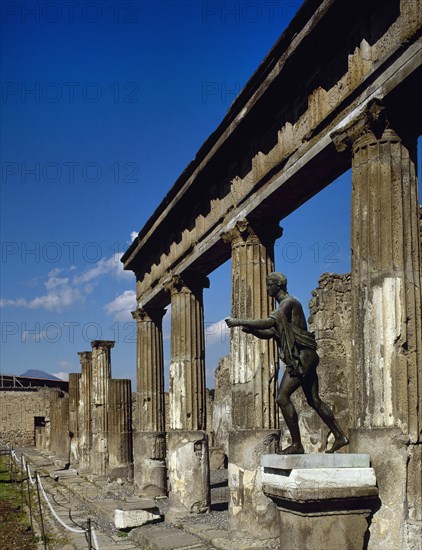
(44, 494)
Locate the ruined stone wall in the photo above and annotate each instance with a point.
(330, 320)
(17, 412)
(221, 414)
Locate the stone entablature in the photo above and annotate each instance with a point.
(266, 169)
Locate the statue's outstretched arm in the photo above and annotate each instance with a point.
(260, 324)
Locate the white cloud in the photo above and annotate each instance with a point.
(62, 375)
(133, 236)
(66, 291)
(122, 305)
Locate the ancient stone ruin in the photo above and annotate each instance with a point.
(329, 96)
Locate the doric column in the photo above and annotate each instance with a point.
(386, 317)
(254, 361)
(254, 368)
(74, 380)
(101, 374)
(149, 439)
(120, 430)
(188, 442)
(84, 410)
(53, 401)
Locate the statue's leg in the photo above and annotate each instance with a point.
(288, 386)
(311, 389)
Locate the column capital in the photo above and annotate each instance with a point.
(85, 357)
(102, 344)
(189, 282)
(262, 231)
(372, 122)
(154, 314)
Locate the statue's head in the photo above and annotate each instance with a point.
(278, 279)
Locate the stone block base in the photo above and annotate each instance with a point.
(128, 515)
(149, 456)
(323, 507)
(121, 474)
(189, 476)
(251, 513)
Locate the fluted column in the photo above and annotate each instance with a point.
(189, 490)
(120, 430)
(101, 374)
(254, 368)
(150, 473)
(74, 381)
(253, 361)
(187, 366)
(54, 397)
(84, 409)
(386, 317)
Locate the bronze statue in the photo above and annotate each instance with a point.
(297, 350)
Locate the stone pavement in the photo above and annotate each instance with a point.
(75, 498)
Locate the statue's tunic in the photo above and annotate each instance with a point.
(291, 340)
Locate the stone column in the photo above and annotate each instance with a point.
(101, 374)
(54, 399)
(84, 410)
(62, 422)
(254, 368)
(188, 460)
(149, 439)
(74, 381)
(120, 465)
(386, 318)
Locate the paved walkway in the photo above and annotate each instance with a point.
(75, 498)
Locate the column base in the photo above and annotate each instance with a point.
(323, 501)
(149, 457)
(189, 476)
(251, 513)
(397, 464)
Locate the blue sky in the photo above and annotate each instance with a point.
(103, 105)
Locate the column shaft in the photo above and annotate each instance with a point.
(149, 438)
(120, 429)
(84, 410)
(101, 374)
(74, 381)
(254, 361)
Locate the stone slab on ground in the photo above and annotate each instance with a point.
(127, 515)
(315, 460)
(63, 474)
(166, 538)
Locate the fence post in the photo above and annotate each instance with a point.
(29, 498)
(39, 505)
(22, 501)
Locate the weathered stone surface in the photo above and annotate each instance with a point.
(17, 412)
(119, 423)
(323, 478)
(189, 476)
(84, 409)
(101, 374)
(217, 458)
(318, 460)
(251, 513)
(222, 405)
(132, 515)
(74, 383)
(150, 472)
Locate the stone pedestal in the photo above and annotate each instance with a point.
(149, 440)
(252, 515)
(189, 476)
(324, 501)
(150, 472)
(120, 465)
